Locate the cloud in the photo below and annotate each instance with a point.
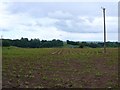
(60, 15)
(46, 21)
(80, 25)
(59, 24)
(112, 24)
(85, 24)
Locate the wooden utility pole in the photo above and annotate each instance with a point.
(104, 30)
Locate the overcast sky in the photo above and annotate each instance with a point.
(78, 21)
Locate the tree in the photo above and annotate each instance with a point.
(5, 42)
(81, 45)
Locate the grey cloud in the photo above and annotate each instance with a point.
(39, 9)
(27, 24)
(4, 29)
(88, 25)
(76, 26)
(60, 15)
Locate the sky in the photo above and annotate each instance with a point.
(77, 21)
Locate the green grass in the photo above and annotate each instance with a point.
(61, 67)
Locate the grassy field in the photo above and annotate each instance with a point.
(59, 68)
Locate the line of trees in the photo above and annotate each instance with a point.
(72, 42)
(33, 43)
(93, 44)
(36, 43)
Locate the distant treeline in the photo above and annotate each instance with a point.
(36, 43)
(33, 43)
(93, 44)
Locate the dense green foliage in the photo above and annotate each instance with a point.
(93, 44)
(33, 43)
(72, 42)
(36, 43)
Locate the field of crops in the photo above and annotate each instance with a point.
(59, 68)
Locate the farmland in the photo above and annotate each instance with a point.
(59, 68)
